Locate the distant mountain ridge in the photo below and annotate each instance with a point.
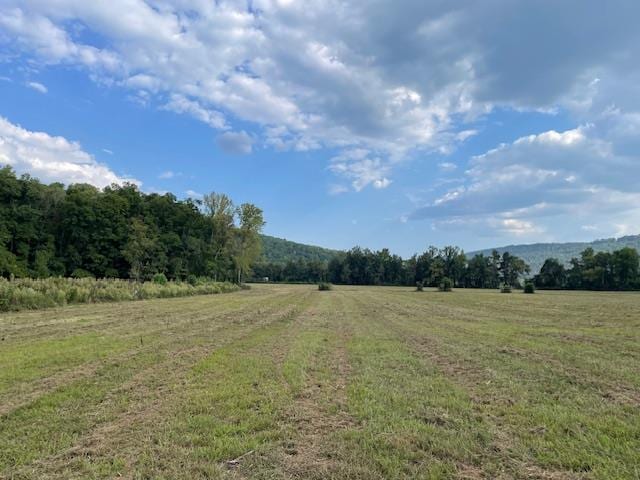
(279, 250)
(536, 253)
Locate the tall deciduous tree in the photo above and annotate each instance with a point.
(511, 269)
(552, 274)
(247, 238)
(220, 212)
(143, 251)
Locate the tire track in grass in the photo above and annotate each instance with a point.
(50, 373)
(507, 404)
(108, 408)
(393, 416)
(497, 458)
(316, 368)
(595, 363)
(229, 406)
(416, 423)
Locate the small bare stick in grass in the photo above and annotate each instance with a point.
(236, 461)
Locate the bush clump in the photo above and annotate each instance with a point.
(505, 288)
(160, 279)
(324, 286)
(446, 285)
(419, 286)
(81, 273)
(30, 294)
(529, 287)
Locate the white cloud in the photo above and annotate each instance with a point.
(361, 168)
(390, 79)
(447, 166)
(38, 87)
(381, 183)
(561, 177)
(623, 229)
(52, 159)
(181, 104)
(107, 151)
(193, 194)
(337, 189)
(517, 227)
(166, 175)
(220, 62)
(235, 142)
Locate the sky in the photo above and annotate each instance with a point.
(397, 124)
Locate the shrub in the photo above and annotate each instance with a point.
(192, 280)
(446, 285)
(529, 287)
(81, 273)
(160, 279)
(419, 286)
(505, 288)
(323, 286)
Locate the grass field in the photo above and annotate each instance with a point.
(367, 383)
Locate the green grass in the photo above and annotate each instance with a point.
(357, 383)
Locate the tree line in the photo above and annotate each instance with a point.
(366, 267)
(121, 232)
(618, 270)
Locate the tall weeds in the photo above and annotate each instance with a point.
(26, 293)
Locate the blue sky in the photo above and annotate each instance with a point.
(400, 125)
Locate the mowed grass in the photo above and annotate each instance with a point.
(283, 382)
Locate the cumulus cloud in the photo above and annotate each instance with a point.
(359, 166)
(239, 143)
(392, 78)
(566, 175)
(38, 87)
(181, 104)
(52, 159)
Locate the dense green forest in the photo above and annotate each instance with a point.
(365, 267)
(535, 254)
(618, 270)
(120, 232)
(279, 250)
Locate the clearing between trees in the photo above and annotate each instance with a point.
(286, 382)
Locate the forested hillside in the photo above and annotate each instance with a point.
(535, 254)
(279, 250)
